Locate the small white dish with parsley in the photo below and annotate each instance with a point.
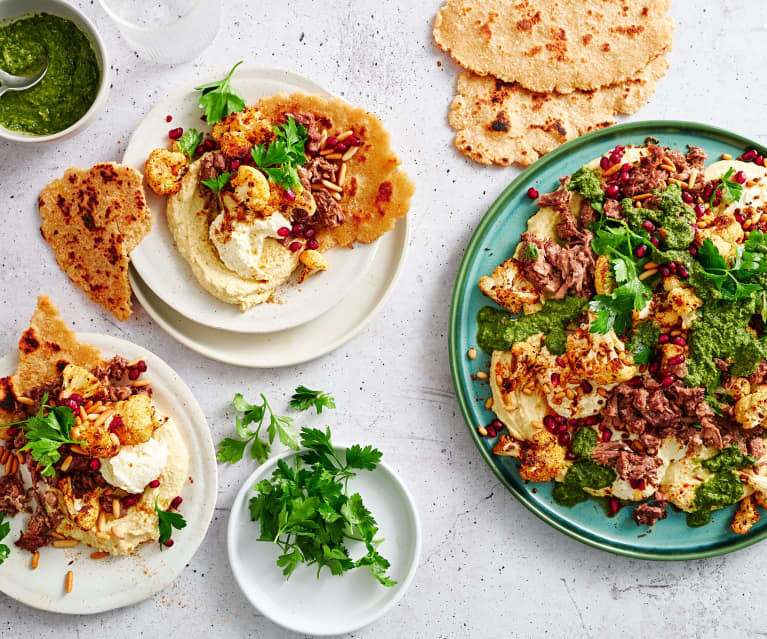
(309, 600)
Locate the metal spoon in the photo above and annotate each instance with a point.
(10, 82)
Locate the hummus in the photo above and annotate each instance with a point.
(140, 523)
(189, 222)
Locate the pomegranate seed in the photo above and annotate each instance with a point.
(309, 234)
(570, 455)
(129, 501)
(739, 218)
(313, 244)
(739, 177)
(687, 197)
(672, 267)
(641, 250)
(654, 367)
(155, 483)
(619, 149)
(655, 242)
(625, 168)
(592, 420)
(204, 117)
(607, 435)
(555, 379)
(133, 373)
(635, 382)
(294, 246)
(12, 432)
(169, 118)
(71, 404)
(94, 464)
(683, 272)
(210, 144)
(663, 338)
(750, 155)
(298, 229)
(141, 366)
(614, 505)
(532, 193)
(560, 428)
(560, 420)
(625, 177)
(560, 362)
(707, 191)
(283, 231)
(176, 502)
(549, 424)
(612, 191)
(564, 439)
(586, 386)
(604, 163)
(331, 142)
(169, 543)
(491, 432)
(175, 134)
(234, 165)
(289, 195)
(700, 209)
(353, 140)
(497, 424)
(677, 359)
(341, 147)
(693, 251)
(667, 381)
(116, 422)
(759, 159)
(664, 271)
(648, 226)
(76, 397)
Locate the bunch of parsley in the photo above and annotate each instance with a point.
(309, 514)
(282, 157)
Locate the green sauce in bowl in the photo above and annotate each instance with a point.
(69, 87)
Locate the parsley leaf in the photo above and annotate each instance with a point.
(5, 528)
(308, 512)
(189, 142)
(732, 280)
(731, 190)
(231, 450)
(219, 100)
(282, 157)
(167, 521)
(304, 398)
(46, 433)
(216, 184)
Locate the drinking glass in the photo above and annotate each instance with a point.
(166, 31)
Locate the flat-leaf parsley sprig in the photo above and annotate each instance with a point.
(304, 398)
(309, 514)
(282, 157)
(167, 520)
(218, 99)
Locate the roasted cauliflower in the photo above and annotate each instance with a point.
(138, 420)
(751, 410)
(96, 440)
(604, 282)
(313, 262)
(675, 307)
(77, 380)
(746, 516)
(251, 188)
(83, 509)
(164, 171)
(508, 288)
(239, 132)
(543, 459)
(725, 232)
(601, 357)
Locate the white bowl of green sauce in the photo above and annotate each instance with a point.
(76, 84)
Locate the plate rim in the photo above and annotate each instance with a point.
(210, 353)
(209, 491)
(299, 82)
(402, 587)
(563, 524)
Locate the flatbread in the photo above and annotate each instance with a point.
(501, 123)
(47, 346)
(555, 45)
(92, 219)
(377, 192)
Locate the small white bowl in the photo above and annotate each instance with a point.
(330, 605)
(12, 9)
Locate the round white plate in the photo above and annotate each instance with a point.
(114, 582)
(299, 344)
(161, 266)
(330, 605)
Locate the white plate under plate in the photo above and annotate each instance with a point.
(167, 273)
(330, 605)
(114, 582)
(294, 345)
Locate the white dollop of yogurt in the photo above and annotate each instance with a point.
(135, 466)
(240, 250)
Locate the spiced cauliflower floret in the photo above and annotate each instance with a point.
(746, 516)
(239, 132)
(738, 387)
(77, 380)
(676, 306)
(725, 232)
(751, 410)
(600, 357)
(507, 446)
(137, 420)
(542, 459)
(313, 262)
(251, 188)
(604, 282)
(508, 287)
(82, 508)
(95, 438)
(164, 171)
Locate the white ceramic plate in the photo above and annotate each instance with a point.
(114, 582)
(299, 344)
(330, 605)
(161, 266)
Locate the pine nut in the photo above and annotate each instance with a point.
(481, 375)
(26, 401)
(134, 362)
(489, 403)
(336, 196)
(101, 522)
(344, 135)
(726, 156)
(647, 274)
(77, 449)
(349, 154)
(341, 175)
(103, 417)
(117, 533)
(650, 265)
(66, 464)
(102, 535)
(116, 508)
(141, 383)
(323, 138)
(99, 555)
(642, 196)
(56, 535)
(333, 187)
(65, 543)
(612, 170)
(472, 353)
(668, 167)
(693, 177)
(9, 464)
(35, 560)
(326, 152)
(498, 379)
(70, 581)
(88, 405)
(334, 156)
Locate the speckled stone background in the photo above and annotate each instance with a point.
(489, 568)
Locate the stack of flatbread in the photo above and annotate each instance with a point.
(542, 72)
(93, 218)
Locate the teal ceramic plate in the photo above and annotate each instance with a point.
(494, 241)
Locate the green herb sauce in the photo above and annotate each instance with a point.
(586, 182)
(721, 332)
(498, 330)
(584, 441)
(68, 88)
(723, 489)
(643, 340)
(676, 219)
(585, 473)
(728, 459)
